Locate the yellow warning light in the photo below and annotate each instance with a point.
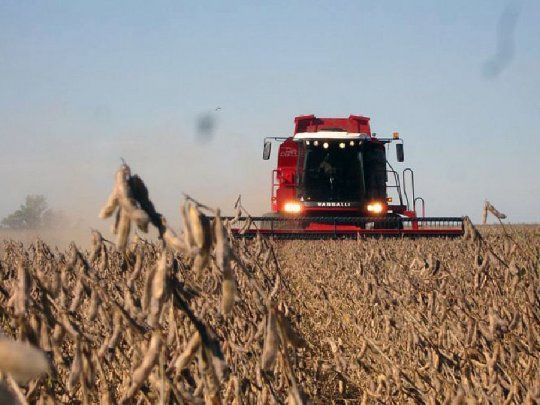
(395, 135)
(388, 199)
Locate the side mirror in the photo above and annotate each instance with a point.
(267, 149)
(399, 152)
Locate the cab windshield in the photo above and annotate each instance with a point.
(339, 171)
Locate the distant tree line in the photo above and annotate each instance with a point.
(34, 213)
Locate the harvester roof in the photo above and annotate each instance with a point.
(311, 127)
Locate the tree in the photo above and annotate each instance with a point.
(32, 214)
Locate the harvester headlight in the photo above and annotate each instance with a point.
(351, 143)
(342, 145)
(292, 207)
(375, 207)
(316, 143)
(325, 145)
(307, 142)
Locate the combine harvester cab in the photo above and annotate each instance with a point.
(333, 180)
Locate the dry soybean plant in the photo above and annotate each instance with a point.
(489, 208)
(199, 317)
(423, 321)
(192, 318)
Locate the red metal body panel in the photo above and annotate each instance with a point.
(285, 175)
(353, 124)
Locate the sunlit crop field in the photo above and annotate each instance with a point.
(422, 320)
(203, 318)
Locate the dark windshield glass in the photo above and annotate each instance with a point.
(333, 174)
(375, 171)
(342, 172)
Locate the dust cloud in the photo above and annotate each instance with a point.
(76, 175)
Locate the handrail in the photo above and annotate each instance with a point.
(423, 205)
(275, 185)
(408, 170)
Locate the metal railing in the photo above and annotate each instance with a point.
(408, 170)
(423, 205)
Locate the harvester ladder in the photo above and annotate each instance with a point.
(397, 183)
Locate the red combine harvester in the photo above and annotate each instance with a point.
(333, 179)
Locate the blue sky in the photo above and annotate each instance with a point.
(85, 83)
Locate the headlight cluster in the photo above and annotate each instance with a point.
(375, 207)
(292, 207)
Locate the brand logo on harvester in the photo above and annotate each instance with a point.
(288, 152)
(333, 204)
